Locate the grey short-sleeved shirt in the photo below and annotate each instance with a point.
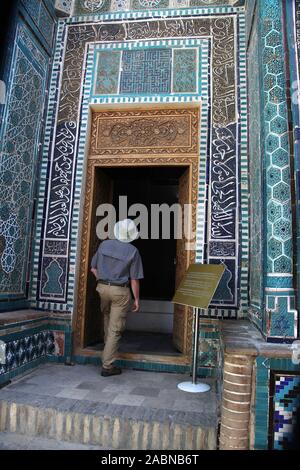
(117, 261)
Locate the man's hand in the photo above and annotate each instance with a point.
(135, 286)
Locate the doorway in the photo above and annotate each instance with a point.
(164, 169)
(151, 330)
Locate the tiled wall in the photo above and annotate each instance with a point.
(30, 342)
(146, 51)
(21, 136)
(277, 406)
(272, 295)
(92, 7)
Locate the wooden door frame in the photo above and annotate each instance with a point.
(186, 156)
(192, 162)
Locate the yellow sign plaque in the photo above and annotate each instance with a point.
(199, 285)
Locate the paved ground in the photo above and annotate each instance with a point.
(13, 441)
(153, 390)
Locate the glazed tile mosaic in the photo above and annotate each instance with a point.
(136, 79)
(146, 72)
(39, 13)
(92, 7)
(286, 412)
(271, 229)
(20, 137)
(22, 351)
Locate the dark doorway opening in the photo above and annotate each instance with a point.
(151, 331)
(148, 186)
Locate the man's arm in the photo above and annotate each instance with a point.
(135, 286)
(95, 272)
(94, 265)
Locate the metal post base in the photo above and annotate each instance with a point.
(193, 388)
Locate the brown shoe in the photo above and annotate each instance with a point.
(112, 371)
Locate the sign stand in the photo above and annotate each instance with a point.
(196, 290)
(194, 387)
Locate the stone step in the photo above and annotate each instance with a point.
(34, 407)
(15, 441)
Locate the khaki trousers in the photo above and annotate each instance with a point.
(115, 302)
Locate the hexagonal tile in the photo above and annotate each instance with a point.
(276, 95)
(269, 55)
(284, 142)
(281, 80)
(272, 142)
(274, 211)
(282, 229)
(286, 211)
(283, 264)
(273, 176)
(278, 125)
(274, 248)
(271, 111)
(280, 158)
(287, 247)
(270, 80)
(273, 38)
(282, 109)
(281, 192)
(286, 174)
(274, 65)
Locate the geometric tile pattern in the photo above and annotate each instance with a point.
(107, 74)
(184, 71)
(277, 151)
(88, 7)
(279, 249)
(286, 412)
(41, 17)
(18, 165)
(256, 177)
(276, 402)
(146, 71)
(22, 351)
(271, 222)
(223, 128)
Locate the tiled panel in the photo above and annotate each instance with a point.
(146, 71)
(271, 230)
(41, 18)
(274, 402)
(93, 7)
(256, 177)
(219, 127)
(286, 412)
(107, 73)
(88, 7)
(149, 4)
(184, 71)
(27, 349)
(20, 138)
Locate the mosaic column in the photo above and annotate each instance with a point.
(281, 316)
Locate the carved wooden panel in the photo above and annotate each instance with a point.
(180, 320)
(153, 151)
(157, 131)
(93, 317)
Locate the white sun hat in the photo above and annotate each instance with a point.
(125, 231)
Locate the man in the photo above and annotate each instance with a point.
(114, 263)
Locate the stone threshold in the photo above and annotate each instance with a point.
(241, 337)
